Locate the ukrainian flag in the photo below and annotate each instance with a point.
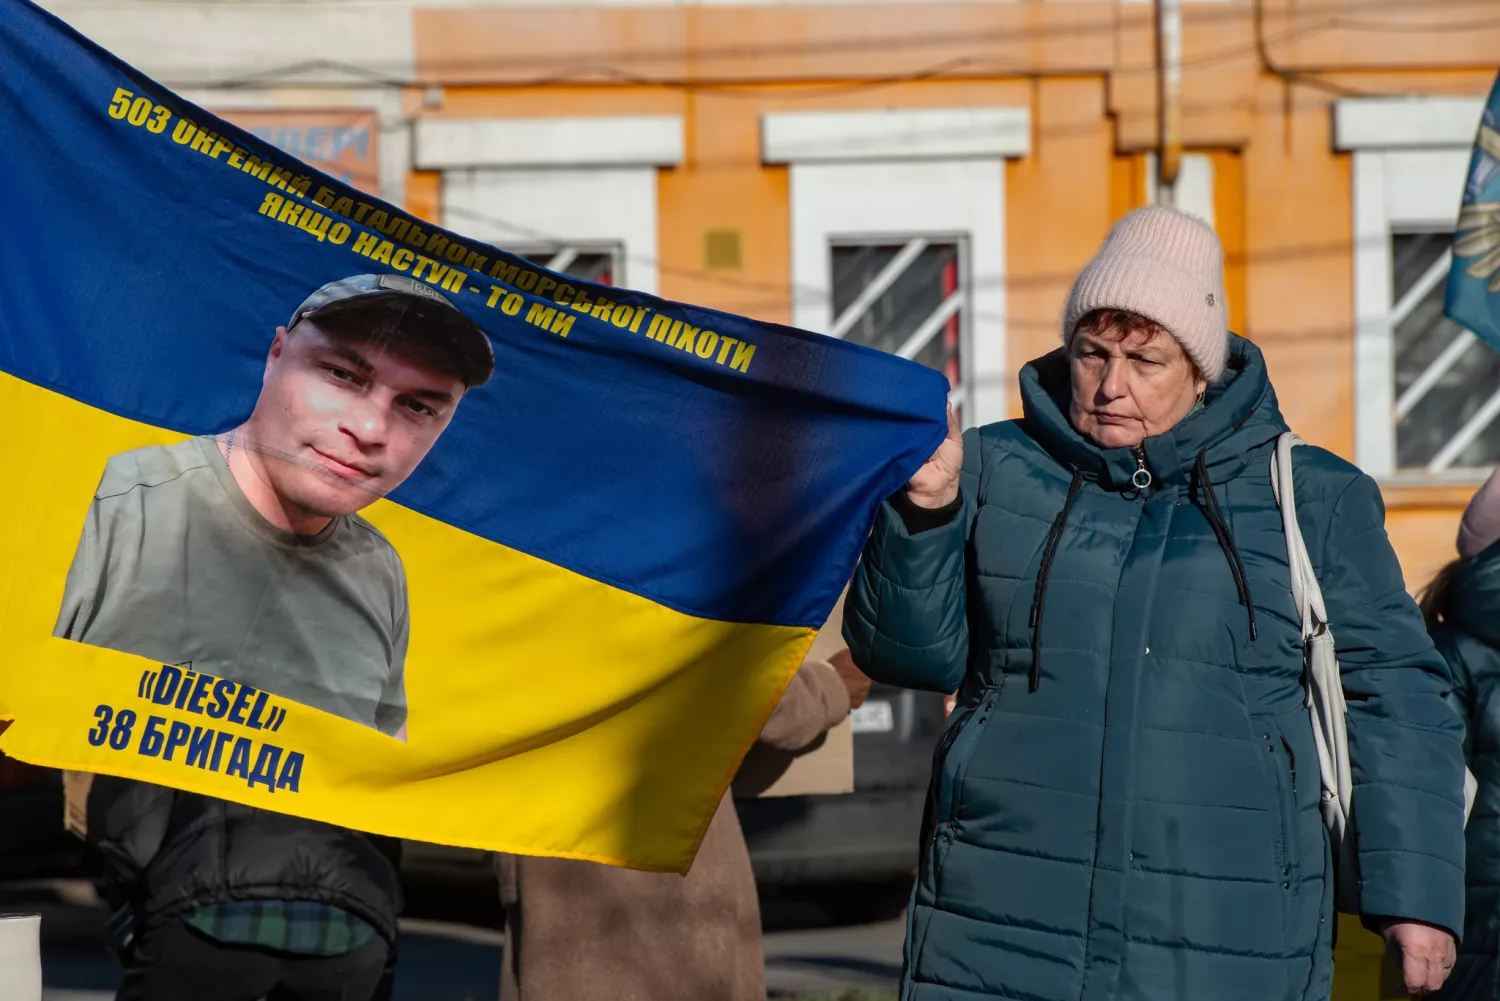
(616, 556)
(1473, 293)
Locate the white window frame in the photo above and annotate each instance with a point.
(520, 182)
(1193, 191)
(560, 256)
(932, 326)
(1410, 161)
(889, 177)
(561, 207)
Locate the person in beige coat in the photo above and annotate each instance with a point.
(580, 931)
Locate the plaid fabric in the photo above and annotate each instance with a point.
(303, 927)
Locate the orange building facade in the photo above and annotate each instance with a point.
(926, 177)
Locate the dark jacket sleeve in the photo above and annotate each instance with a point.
(904, 619)
(126, 823)
(1456, 648)
(1404, 737)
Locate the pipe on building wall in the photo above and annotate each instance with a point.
(1169, 96)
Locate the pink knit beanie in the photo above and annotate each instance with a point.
(1167, 266)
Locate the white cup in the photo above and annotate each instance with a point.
(20, 957)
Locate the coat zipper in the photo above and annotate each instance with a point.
(941, 836)
(944, 831)
(1286, 789)
(939, 758)
(1141, 478)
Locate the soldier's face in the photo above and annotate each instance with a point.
(342, 422)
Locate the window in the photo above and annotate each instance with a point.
(1425, 391)
(898, 234)
(907, 298)
(599, 264)
(600, 213)
(909, 257)
(1447, 384)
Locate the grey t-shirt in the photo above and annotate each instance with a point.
(176, 565)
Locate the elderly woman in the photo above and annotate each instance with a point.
(1125, 801)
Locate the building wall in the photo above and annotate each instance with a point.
(1259, 88)
(1282, 193)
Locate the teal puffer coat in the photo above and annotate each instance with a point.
(1469, 640)
(1124, 801)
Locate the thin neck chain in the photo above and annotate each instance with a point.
(229, 446)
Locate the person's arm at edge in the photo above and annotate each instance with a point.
(815, 701)
(1404, 736)
(904, 618)
(1450, 646)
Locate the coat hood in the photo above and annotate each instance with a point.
(1239, 413)
(1475, 597)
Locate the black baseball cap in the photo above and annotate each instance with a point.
(432, 316)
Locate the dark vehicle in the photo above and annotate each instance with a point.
(33, 842)
(865, 841)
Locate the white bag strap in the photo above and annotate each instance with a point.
(1306, 594)
(1323, 685)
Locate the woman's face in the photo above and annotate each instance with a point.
(1131, 380)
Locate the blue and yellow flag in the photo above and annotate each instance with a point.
(315, 506)
(1473, 294)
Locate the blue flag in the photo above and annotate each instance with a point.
(1473, 299)
(314, 505)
